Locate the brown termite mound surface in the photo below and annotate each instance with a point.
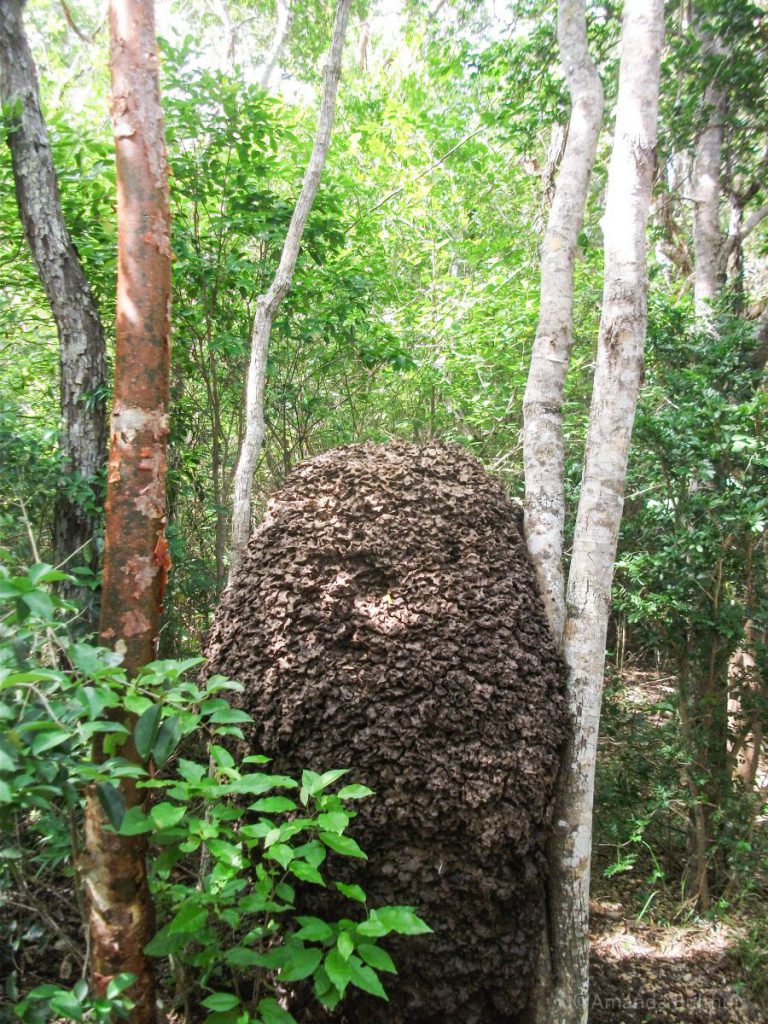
(386, 619)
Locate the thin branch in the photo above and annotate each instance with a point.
(424, 173)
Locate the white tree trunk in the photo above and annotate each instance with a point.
(269, 303)
(614, 398)
(284, 15)
(543, 451)
(708, 238)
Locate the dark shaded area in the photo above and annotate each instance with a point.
(386, 619)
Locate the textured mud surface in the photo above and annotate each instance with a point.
(386, 619)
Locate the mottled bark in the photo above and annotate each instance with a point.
(269, 303)
(709, 272)
(136, 552)
(543, 450)
(83, 369)
(614, 398)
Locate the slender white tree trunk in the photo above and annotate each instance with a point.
(707, 231)
(269, 303)
(543, 451)
(284, 16)
(617, 383)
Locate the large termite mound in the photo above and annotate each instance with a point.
(386, 619)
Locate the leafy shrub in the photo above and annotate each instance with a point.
(229, 842)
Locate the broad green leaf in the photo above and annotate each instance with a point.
(301, 963)
(166, 815)
(145, 731)
(272, 1013)
(344, 845)
(376, 957)
(354, 792)
(345, 944)
(168, 736)
(366, 978)
(402, 920)
(221, 1001)
(352, 892)
(338, 970)
(112, 801)
(135, 822)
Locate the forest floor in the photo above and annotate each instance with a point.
(666, 974)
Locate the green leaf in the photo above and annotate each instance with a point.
(306, 872)
(190, 919)
(257, 783)
(344, 845)
(239, 956)
(338, 970)
(301, 963)
(168, 736)
(119, 984)
(49, 739)
(113, 802)
(335, 821)
(145, 731)
(229, 716)
(402, 920)
(354, 792)
(376, 957)
(366, 979)
(373, 928)
(271, 1013)
(280, 852)
(135, 822)
(352, 892)
(273, 805)
(345, 944)
(227, 852)
(221, 756)
(166, 815)
(164, 944)
(41, 605)
(67, 1005)
(314, 929)
(221, 1001)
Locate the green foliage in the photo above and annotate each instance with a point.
(229, 843)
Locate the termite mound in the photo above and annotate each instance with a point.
(386, 619)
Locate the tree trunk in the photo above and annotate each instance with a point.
(707, 231)
(82, 362)
(614, 398)
(284, 17)
(269, 303)
(543, 450)
(136, 552)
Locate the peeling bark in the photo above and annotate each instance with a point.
(136, 553)
(543, 450)
(616, 386)
(82, 362)
(269, 303)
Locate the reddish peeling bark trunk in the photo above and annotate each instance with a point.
(136, 553)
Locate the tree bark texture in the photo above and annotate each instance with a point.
(136, 552)
(269, 303)
(82, 362)
(543, 449)
(614, 398)
(709, 273)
